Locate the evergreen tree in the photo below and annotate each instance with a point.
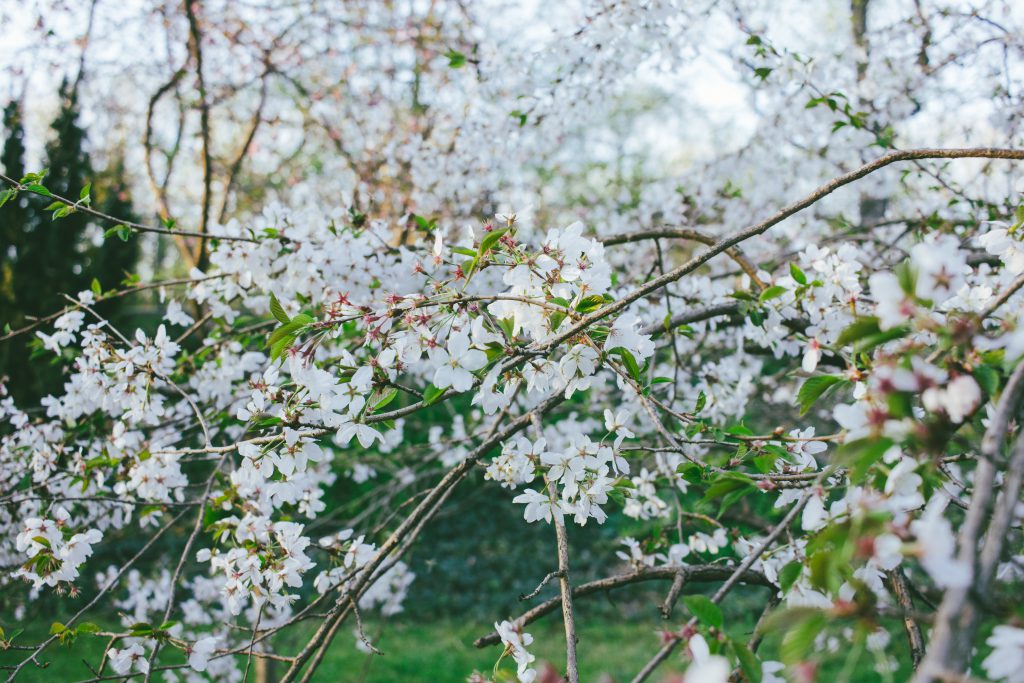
(44, 259)
(114, 260)
(53, 258)
(19, 221)
(14, 215)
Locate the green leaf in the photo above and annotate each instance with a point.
(813, 389)
(456, 60)
(142, 628)
(590, 303)
(96, 288)
(773, 292)
(39, 189)
(858, 456)
(707, 612)
(277, 310)
(858, 329)
(423, 223)
(122, 231)
(799, 639)
(87, 627)
(702, 401)
(490, 239)
(84, 194)
(465, 251)
(988, 378)
(726, 484)
(57, 628)
(629, 361)
(278, 348)
(868, 343)
(749, 663)
(906, 276)
(284, 331)
(797, 274)
(385, 399)
(789, 574)
(431, 394)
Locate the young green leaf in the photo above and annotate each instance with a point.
(813, 389)
(707, 612)
(773, 292)
(277, 310)
(431, 394)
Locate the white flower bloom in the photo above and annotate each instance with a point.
(958, 399)
(893, 306)
(936, 547)
(122, 661)
(176, 315)
(625, 333)
(516, 641)
(199, 653)
(706, 667)
(1006, 662)
(458, 363)
(539, 506)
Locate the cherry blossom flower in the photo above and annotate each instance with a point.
(1006, 662)
(458, 363)
(200, 651)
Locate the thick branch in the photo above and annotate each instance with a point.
(762, 227)
(952, 638)
(683, 233)
(196, 48)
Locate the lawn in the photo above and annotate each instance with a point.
(435, 652)
(441, 651)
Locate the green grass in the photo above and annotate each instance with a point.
(445, 652)
(413, 652)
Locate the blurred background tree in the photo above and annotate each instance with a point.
(41, 260)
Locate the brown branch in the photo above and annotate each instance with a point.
(572, 672)
(196, 49)
(781, 215)
(107, 297)
(673, 596)
(952, 637)
(739, 573)
(694, 316)
(424, 511)
(107, 588)
(687, 234)
(1004, 295)
(236, 166)
(160, 189)
(901, 590)
(138, 227)
(692, 573)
